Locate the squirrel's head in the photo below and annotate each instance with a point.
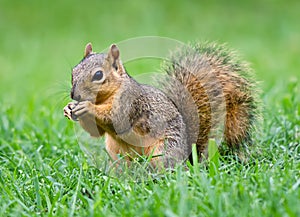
(98, 75)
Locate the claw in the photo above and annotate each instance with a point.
(73, 116)
(72, 105)
(68, 111)
(76, 109)
(81, 109)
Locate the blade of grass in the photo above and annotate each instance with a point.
(213, 157)
(74, 198)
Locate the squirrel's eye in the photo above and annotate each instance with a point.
(97, 76)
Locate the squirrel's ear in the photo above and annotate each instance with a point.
(113, 57)
(88, 50)
(114, 52)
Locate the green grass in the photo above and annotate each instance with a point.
(43, 170)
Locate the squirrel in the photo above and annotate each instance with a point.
(205, 86)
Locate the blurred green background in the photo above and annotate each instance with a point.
(40, 41)
(42, 167)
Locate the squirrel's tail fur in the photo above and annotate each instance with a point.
(217, 96)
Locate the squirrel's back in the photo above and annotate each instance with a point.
(221, 88)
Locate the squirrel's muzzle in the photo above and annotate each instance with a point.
(74, 96)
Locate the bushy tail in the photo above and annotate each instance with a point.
(220, 101)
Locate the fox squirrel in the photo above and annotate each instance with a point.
(204, 86)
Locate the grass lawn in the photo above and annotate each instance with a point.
(43, 169)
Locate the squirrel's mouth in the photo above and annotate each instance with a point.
(80, 98)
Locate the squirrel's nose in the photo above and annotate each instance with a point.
(75, 97)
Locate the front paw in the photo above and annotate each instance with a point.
(68, 111)
(81, 109)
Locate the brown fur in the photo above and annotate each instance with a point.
(142, 120)
(215, 86)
